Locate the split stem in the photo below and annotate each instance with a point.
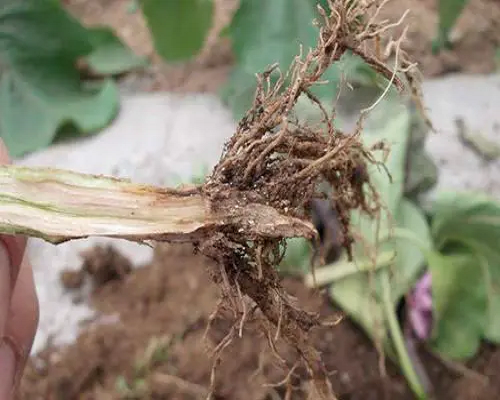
(60, 205)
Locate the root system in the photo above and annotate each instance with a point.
(275, 160)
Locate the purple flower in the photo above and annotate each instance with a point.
(420, 307)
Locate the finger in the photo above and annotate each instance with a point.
(5, 288)
(4, 153)
(22, 322)
(15, 245)
(18, 306)
(7, 355)
(11, 254)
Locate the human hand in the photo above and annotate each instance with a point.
(18, 307)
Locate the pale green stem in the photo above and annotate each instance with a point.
(59, 205)
(343, 269)
(398, 340)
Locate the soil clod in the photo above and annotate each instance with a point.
(104, 263)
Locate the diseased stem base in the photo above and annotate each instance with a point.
(59, 205)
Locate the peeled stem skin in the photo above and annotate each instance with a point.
(60, 205)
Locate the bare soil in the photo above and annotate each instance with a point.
(476, 38)
(171, 301)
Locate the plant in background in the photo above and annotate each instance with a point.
(448, 12)
(262, 33)
(445, 261)
(42, 51)
(45, 88)
(45, 92)
(178, 28)
(282, 26)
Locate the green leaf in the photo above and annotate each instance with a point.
(421, 170)
(467, 217)
(449, 12)
(360, 295)
(267, 32)
(110, 56)
(350, 68)
(491, 271)
(40, 88)
(239, 91)
(263, 33)
(394, 133)
(411, 248)
(472, 220)
(459, 303)
(179, 28)
(297, 257)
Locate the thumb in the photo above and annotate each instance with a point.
(11, 256)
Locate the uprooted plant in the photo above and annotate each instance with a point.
(258, 194)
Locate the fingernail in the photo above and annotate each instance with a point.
(8, 361)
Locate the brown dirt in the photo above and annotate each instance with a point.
(164, 310)
(477, 38)
(101, 264)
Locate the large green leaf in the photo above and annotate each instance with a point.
(360, 295)
(110, 56)
(263, 33)
(491, 271)
(40, 86)
(412, 240)
(466, 217)
(459, 303)
(472, 220)
(266, 32)
(179, 28)
(389, 123)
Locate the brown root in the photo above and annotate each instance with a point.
(275, 160)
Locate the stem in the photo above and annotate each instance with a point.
(399, 343)
(58, 205)
(340, 270)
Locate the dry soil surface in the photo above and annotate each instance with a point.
(158, 317)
